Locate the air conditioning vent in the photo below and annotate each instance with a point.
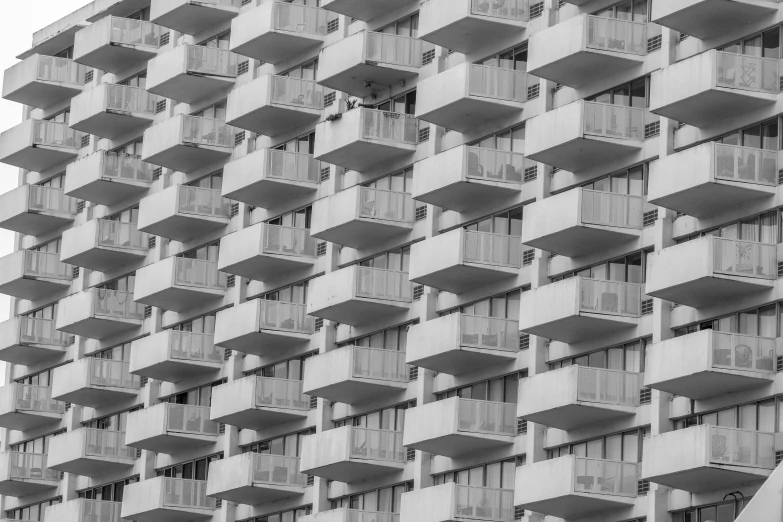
(645, 396)
(234, 209)
(319, 323)
(424, 134)
(227, 354)
(231, 281)
(418, 291)
(165, 38)
(536, 10)
(313, 402)
(89, 76)
(410, 454)
(533, 91)
(524, 341)
(428, 57)
(332, 25)
(421, 213)
(652, 129)
(521, 426)
(75, 272)
(528, 256)
(160, 106)
(147, 312)
(325, 172)
(151, 242)
(413, 373)
(320, 249)
(643, 487)
(647, 307)
(654, 43)
(649, 218)
(531, 173)
(243, 67)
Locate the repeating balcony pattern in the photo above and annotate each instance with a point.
(193, 17)
(256, 478)
(41, 81)
(31, 340)
(255, 402)
(264, 327)
(114, 44)
(167, 499)
(82, 509)
(38, 145)
(28, 406)
(23, 474)
(182, 212)
(95, 382)
(111, 111)
(704, 21)
(453, 501)
(175, 355)
(30, 274)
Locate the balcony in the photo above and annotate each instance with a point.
(709, 363)
(185, 143)
(454, 502)
(111, 111)
(179, 283)
(163, 499)
(702, 180)
(357, 294)
(708, 458)
(113, 44)
(714, 87)
(267, 176)
(83, 510)
(576, 486)
(277, 31)
(107, 178)
(94, 382)
(467, 25)
(256, 402)
(351, 515)
(29, 341)
(351, 454)
(461, 260)
(103, 244)
(582, 221)
(454, 427)
(577, 396)
(583, 134)
(254, 478)
(264, 328)
(363, 9)
(98, 313)
(23, 474)
(171, 428)
(193, 16)
(365, 60)
(361, 138)
(711, 270)
(31, 275)
(589, 49)
(27, 406)
(36, 210)
(91, 452)
(263, 251)
(272, 105)
(579, 308)
(182, 212)
(706, 19)
(41, 81)
(39, 145)
(174, 356)
(352, 374)
(460, 343)
(191, 73)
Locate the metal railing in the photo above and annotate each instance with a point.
(116, 303)
(492, 333)
(121, 234)
(372, 444)
(611, 209)
(494, 165)
(293, 166)
(58, 135)
(474, 502)
(207, 131)
(277, 469)
(106, 443)
(737, 447)
(387, 285)
(288, 241)
(613, 121)
(605, 386)
(297, 92)
(391, 49)
(300, 19)
(598, 296)
(744, 258)
(743, 352)
(389, 126)
(136, 32)
(272, 392)
(46, 264)
(30, 466)
(32, 397)
(356, 515)
(194, 346)
(223, 3)
(212, 61)
(99, 511)
(507, 9)
(606, 477)
(490, 417)
(494, 82)
(186, 493)
(379, 364)
(387, 205)
(492, 249)
(291, 317)
(616, 35)
(747, 73)
(116, 165)
(124, 98)
(203, 202)
(111, 373)
(199, 273)
(35, 330)
(746, 164)
(50, 199)
(60, 70)
(188, 418)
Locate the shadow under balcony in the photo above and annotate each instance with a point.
(193, 16)
(111, 111)
(102, 244)
(39, 145)
(107, 178)
(182, 212)
(30, 341)
(707, 19)
(114, 44)
(31, 275)
(255, 478)
(27, 406)
(41, 81)
(94, 382)
(171, 428)
(363, 9)
(36, 210)
(164, 499)
(256, 402)
(98, 313)
(175, 355)
(91, 452)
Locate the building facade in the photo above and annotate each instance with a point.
(253, 200)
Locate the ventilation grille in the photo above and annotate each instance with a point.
(319, 323)
(67, 406)
(152, 241)
(165, 38)
(654, 43)
(218, 503)
(533, 91)
(531, 173)
(243, 67)
(227, 354)
(234, 209)
(410, 454)
(521, 426)
(231, 281)
(160, 106)
(313, 402)
(80, 207)
(643, 487)
(332, 25)
(428, 57)
(652, 129)
(561, 4)
(780, 178)
(649, 218)
(413, 373)
(528, 256)
(780, 269)
(779, 363)
(524, 341)
(645, 396)
(424, 134)
(89, 75)
(325, 172)
(418, 291)
(143, 382)
(75, 272)
(684, 36)
(138, 453)
(647, 307)
(320, 249)
(221, 428)
(71, 340)
(421, 213)
(778, 457)
(85, 140)
(519, 513)
(536, 10)
(239, 138)
(147, 311)
(157, 173)
(310, 480)
(329, 99)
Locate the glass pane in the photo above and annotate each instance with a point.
(631, 447)
(595, 448)
(614, 447)
(767, 416)
(747, 417)
(727, 418)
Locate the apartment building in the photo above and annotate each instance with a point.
(395, 261)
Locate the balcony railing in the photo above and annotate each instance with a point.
(612, 210)
(288, 241)
(367, 443)
(47, 265)
(391, 49)
(116, 303)
(34, 330)
(744, 258)
(293, 166)
(606, 477)
(185, 493)
(389, 126)
(211, 61)
(297, 92)
(494, 165)
(387, 285)
(489, 332)
(615, 35)
(60, 70)
(223, 3)
(492, 249)
(610, 297)
(747, 73)
(272, 392)
(116, 165)
(747, 165)
(736, 447)
(120, 234)
(614, 121)
(387, 205)
(489, 417)
(203, 202)
(379, 364)
(516, 10)
(136, 32)
(277, 469)
(99, 511)
(292, 317)
(114, 374)
(300, 19)
(194, 346)
(501, 84)
(356, 515)
(50, 199)
(30, 466)
(187, 418)
(474, 502)
(124, 98)
(106, 443)
(207, 131)
(35, 398)
(58, 135)
(608, 386)
(743, 352)
(199, 273)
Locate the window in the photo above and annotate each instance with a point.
(43, 378)
(292, 369)
(193, 470)
(498, 475)
(383, 500)
(395, 339)
(55, 181)
(65, 53)
(510, 140)
(220, 41)
(130, 215)
(47, 312)
(305, 71)
(289, 445)
(402, 104)
(628, 181)
(756, 416)
(33, 512)
(398, 259)
(762, 228)
(633, 94)
(762, 45)
(763, 135)
(508, 223)
(212, 181)
(762, 322)
(203, 324)
(51, 247)
(515, 59)
(63, 116)
(108, 492)
(141, 14)
(408, 26)
(132, 148)
(208, 252)
(137, 80)
(295, 293)
(634, 10)
(627, 357)
(118, 353)
(502, 389)
(292, 515)
(215, 112)
(722, 512)
(628, 269)
(123, 284)
(504, 306)
(201, 396)
(113, 422)
(620, 447)
(392, 419)
(38, 445)
(304, 144)
(297, 219)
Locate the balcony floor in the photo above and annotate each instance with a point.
(587, 66)
(708, 19)
(582, 326)
(271, 120)
(104, 259)
(360, 233)
(181, 227)
(100, 327)
(353, 80)
(266, 343)
(356, 311)
(354, 470)
(583, 239)
(180, 298)
(360, 155)
(464, 195)
(39, 158)
(706, 291)
(33, 289)
(23, 487)
(192, 18)
(93, 466)
(97, 397)
(19, 421)
(259, 418)
(31, 354)
(470, 112)
(461, 443)
(169, 514)
(708, 384)
(711, 198)
(185, 158)
(577, 415)
(462, 359)
(42, 94)
(363, 9)
(116, 57)
(258, 493)
(176, 370)
(263, 267)
(461, 278)
(108, 192)
(35, 223)
(111, 124)
(575, 505)
(266, 193)
(582, 153)
(172, 443)
(357, 389)
(191, 88)
(710, 478)
(715, 106)
(473, 32)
